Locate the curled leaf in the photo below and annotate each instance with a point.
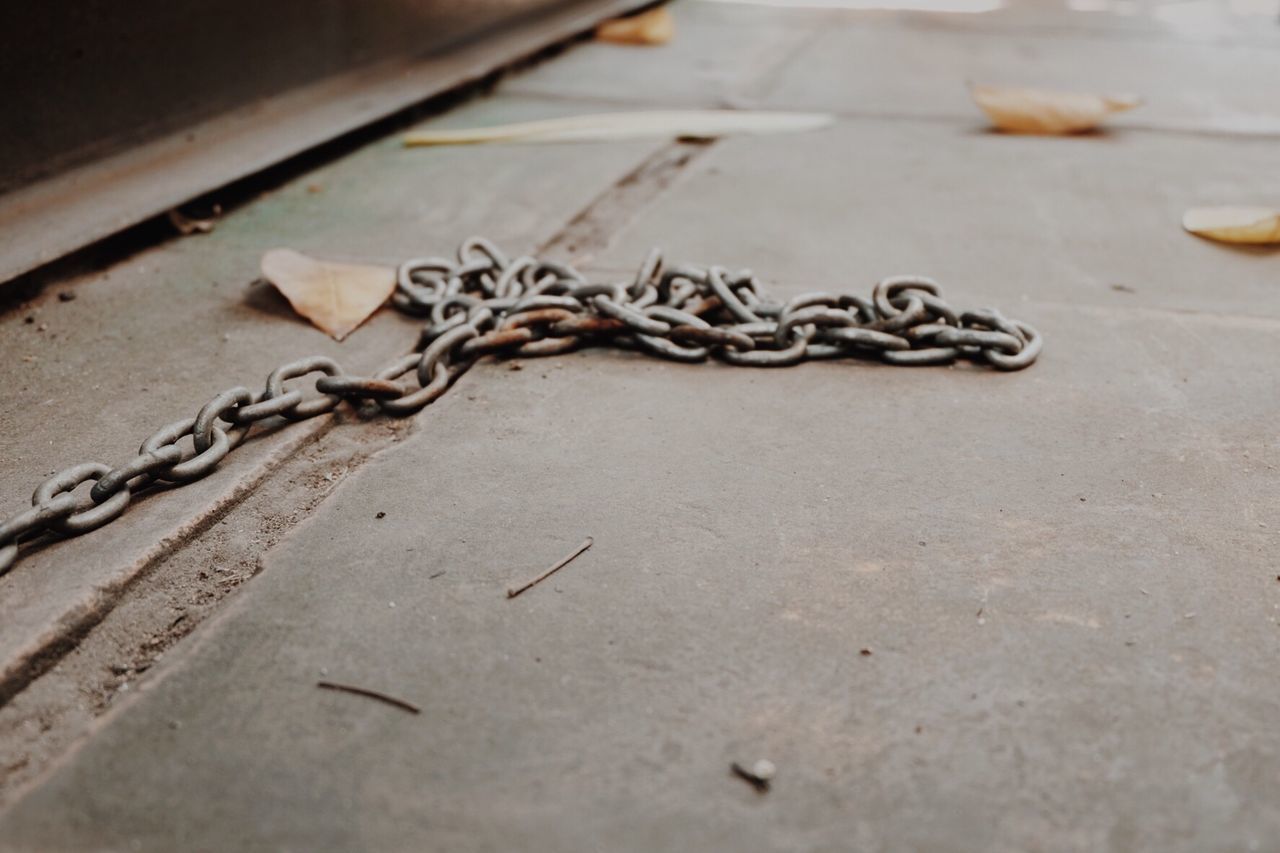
(1234, 224)
(652, 27)
(335, 297)
(659, 124)
(1048, 113)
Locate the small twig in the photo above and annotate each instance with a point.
(514, 591)
(371, 694)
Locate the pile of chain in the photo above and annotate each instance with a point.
(483, 304)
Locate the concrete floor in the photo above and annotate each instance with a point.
(1063, 576)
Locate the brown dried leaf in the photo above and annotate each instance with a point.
(1048, 113)
(1234, 224)
(335, 297)
(653, 27)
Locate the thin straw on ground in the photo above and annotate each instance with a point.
(586, 543)
(371, 694)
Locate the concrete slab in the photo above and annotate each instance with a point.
(872, 71)
(1001, 220)
(1063, 577)
(1169, 23)
(1059, 575)
(148, 340)
(719, 52)
(1198, 64)
(1163, 20)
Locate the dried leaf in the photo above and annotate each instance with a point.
(661, 124)
(1234, 224)
(1044, 112)
(334, 297)
(653, 27)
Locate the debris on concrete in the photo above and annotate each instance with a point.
(1246, 225)
(335, 297)
(188, 225)
(66, 295)
(586, 543)
(639, 124)
(1039, 111)
(759, 776)
(370, 694)
(653, 27)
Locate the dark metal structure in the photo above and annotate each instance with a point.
(116, 113)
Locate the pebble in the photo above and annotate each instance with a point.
(764, 770)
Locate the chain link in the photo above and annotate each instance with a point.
(483, 304)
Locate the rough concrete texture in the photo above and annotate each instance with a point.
(1061, 576)
(959, 610)
(188, 583)
(998, 219)
(1187, 86)
(721, 55)
(150, 339)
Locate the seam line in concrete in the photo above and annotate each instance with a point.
(590, 230)
(595, 227)
(45, 651)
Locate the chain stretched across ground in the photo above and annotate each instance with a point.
(483, 304)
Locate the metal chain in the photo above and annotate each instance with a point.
(483, 304)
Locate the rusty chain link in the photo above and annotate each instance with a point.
(483, 304)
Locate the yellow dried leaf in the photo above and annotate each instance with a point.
(335, 297)
(641, 124)
(653, 27)
(1234, 224)
(1045, 112)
